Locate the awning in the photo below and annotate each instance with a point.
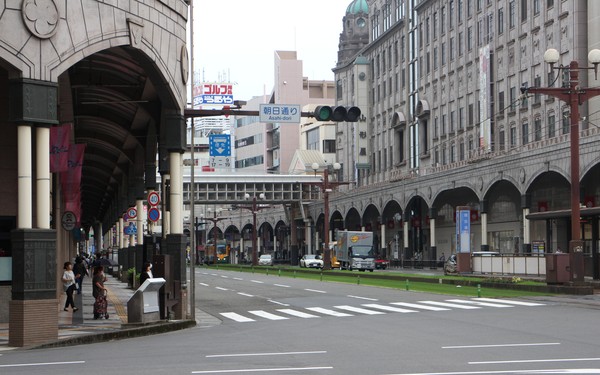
(558, 214)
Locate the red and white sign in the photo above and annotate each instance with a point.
(132, 212)
(153, 199)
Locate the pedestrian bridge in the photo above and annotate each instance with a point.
(240, 189)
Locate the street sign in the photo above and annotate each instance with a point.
(130, 230)
(219, 162)
(132, 212)
(153, 198)
(153, 214)
(220, 145)
(280, 113)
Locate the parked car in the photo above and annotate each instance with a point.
(381, 263)
(265, 260)
(311, 261)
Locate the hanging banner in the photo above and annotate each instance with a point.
(59, 148)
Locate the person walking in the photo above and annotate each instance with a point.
(99, 293)
(68, 280)
(81, 270)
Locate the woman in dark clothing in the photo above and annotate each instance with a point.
(80, 271)
(146, 273)
(98, 281)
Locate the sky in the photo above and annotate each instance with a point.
(235, 40)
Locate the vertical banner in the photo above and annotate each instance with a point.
(59, 147)
(71, 180)
(485, 129)
(463, 229)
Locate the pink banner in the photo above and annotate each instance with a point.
(71, 180)
(59, 147)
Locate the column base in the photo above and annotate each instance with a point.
(25, 325)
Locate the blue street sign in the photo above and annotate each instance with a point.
(220, 145)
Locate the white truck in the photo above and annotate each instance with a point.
(354, 251)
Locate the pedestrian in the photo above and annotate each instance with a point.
(146, 273)
(81, 270)
(68, 280)
(98, 280)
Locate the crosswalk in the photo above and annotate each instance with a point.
(341, 311)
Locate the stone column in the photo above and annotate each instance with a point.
(483, 213)
(432, 238)
(43, 177)
(525, 204)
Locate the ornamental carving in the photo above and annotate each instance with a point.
(40, 17)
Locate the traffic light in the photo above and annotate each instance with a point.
(337, 113)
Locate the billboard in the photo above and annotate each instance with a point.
(208, 93)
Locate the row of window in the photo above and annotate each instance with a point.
(249, 162)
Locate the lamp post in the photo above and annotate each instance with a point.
(574, 95)
(254, 208)
(215, 220)
(326, 188)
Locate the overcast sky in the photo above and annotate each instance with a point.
(235, 40)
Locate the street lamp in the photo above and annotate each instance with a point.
(215, 220)
(575, 96)
(326, 188)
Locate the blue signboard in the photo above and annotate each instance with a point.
(220, 145)
(463, 230)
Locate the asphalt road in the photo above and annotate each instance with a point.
(272, 325)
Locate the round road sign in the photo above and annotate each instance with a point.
(69, 220)
(132, 212)
(153, 198)
(153, 214)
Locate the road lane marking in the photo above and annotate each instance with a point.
(479, 303)
(282, 285)
(263, 370)
(279, 303)
(245, 294)
(388, 308)
(267, 315)
(451, 305)
(518, 372)
(328, 312)
(536, 361)
(238, 279)
(511, 302)
(221, 288)
(42, 364)
(359, 310)
(365, 298)
(499, 345)
(203, 284)
(225, 276)
(297, 313)
(257, 281)
(237, 317)
(417, 306)
(264, 354)
(315, 291)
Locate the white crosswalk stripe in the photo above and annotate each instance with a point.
(237, 317)
(359, 310)
(299, 314)
(419, 306)
(388, 308)
(479, 303)
(451, 305)
(377, 309)
(511, 302)
(267, 315)
(321, 310)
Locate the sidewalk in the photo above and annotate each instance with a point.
(81, 327)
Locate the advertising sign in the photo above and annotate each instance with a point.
(463, 229)
(213, 94)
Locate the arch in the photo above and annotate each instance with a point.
(398, 119)
(422, 108)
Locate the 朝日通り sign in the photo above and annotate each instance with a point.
(280, 113)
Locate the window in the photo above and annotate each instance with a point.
(443, 48)
(312, 139)
(459, 11)
(436, 127)
(565, 121)
(513, 99)
(329, 146)
(461, 118)
(452, 49)
(427, 30)
(435, 21)
(501, 107)
(471, 115)
(452, 152)
(396, 53)
(513, 136)
(435, 58)
(461, 150)
(452, 121)
(511, 14)
(461, 47)
(549, 3)
(536, 7)
(537, 128)
(524, 100)
(479, 33)
(501, 136)
(383, 61)
(443, 21)
(451, 15)
(500, 21)
(525, 132)
(537, 82)
(428, 62)
(551, 126)
(489, 28)
(444, 117)
(469, 38)
(524, 10)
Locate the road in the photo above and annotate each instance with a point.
(271, 325)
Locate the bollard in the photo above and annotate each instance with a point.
(294, 274)
(478, 290)
(321, 275)
(407, 284)
(358, 280)
(267, 272)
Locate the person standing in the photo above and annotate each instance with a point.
(99, 293)
(68, 280)
(81, 270)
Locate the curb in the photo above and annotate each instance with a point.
(149, 329)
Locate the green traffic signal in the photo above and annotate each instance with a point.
(337, 113)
